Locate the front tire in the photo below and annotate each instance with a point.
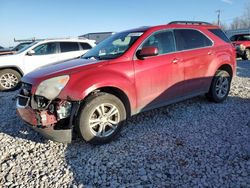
(220, 86)
(9, 79)
(101, 118)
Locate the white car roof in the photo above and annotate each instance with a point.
(67, 40)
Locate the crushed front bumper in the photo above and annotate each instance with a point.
(43, 121)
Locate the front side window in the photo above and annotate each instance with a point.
(113, 46)
(163, 40)
(190, 39)
(69, 46)
(45, 49)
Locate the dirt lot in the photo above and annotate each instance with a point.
(194, 143)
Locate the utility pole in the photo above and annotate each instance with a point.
(218, 16)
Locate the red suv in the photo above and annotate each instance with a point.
(242, 44)
(128, 73)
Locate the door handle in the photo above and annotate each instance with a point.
(210, 53)
(176, 60)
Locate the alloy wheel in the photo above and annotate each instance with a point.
(8, 80)
(222, 86)
(104, 119)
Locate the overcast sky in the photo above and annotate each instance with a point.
(61, 18)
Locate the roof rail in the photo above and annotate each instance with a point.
(190, 22)
(27, 40)
(34, 39)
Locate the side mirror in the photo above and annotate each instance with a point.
(147, 52)
(31, 52)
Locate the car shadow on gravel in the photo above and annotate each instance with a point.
(157, 147)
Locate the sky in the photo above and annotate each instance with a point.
(23, 19)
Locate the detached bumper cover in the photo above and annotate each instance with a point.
(32, 118)
(63, 136)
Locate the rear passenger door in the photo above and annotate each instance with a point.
(69, 50)
(195, 54)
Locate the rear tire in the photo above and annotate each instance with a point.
(9, 79)
(220, 87)
(101, 118)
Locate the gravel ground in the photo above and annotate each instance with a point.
(193, 143)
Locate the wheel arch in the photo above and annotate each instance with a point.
(226, 67)
(13, 68)
(116, 92)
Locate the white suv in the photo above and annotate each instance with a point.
(38, 54)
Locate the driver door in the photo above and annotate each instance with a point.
(159, 79)
(42, 55)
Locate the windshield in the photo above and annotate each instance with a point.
(240, 37)
(114, 46)
(25, 48)
(20, 46)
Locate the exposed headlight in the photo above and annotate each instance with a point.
(51, 88)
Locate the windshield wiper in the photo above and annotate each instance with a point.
(92, 56)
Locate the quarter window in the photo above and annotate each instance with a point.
(45, 49)
(69, 46)
(190, 39)
(85, 46)
(219, 33)
(163, 40)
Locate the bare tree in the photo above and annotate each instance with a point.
(243, 21)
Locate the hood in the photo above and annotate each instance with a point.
(59, 68)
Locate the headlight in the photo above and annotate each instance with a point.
(51, 88)
(242, 47)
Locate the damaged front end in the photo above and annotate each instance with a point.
(52, 118)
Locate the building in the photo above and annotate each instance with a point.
(237, 31)
(98, 37)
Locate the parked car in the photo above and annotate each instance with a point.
(38, 54)
(18, 47)
(1, 47)
(242, 44)
(128, 73)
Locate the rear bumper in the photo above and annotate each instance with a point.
(34, 119)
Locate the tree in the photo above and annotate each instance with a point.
(243, 21)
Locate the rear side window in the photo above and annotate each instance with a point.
(69, 46)
(219, 33)
(190, 39)
(85, 46)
